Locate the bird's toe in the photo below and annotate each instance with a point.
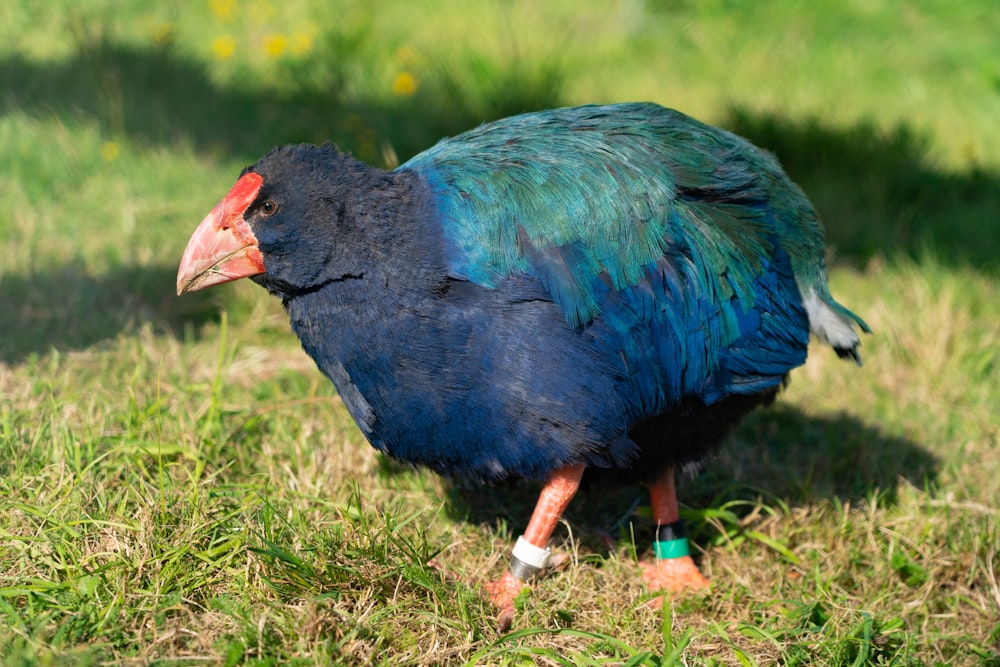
(672, 575)
(502, 593)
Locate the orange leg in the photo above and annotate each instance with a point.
(559, 489)
(674, 573)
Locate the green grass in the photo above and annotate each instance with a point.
(178, 485)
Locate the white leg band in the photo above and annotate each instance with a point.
(530, 555)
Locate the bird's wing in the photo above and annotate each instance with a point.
(644, 217)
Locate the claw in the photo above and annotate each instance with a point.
(502, 593)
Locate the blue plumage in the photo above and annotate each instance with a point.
(610, 286)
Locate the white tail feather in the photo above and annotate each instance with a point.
(830, 327)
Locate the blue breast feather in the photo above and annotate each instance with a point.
(687, 243)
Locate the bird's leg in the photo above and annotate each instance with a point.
(672, 568)
(530, 554)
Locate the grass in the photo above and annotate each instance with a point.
(179, 485)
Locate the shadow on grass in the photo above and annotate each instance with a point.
(779, 455)
(71, 308)
(159, 96)
(878, 194)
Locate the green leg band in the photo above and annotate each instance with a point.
(671, 542)
(672, 549)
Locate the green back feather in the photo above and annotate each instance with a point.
(571, 194)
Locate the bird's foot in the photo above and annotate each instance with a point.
(502, 593)
(672, 575)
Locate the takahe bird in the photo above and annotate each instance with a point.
(600, 287)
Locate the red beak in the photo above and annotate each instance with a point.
(223, 248)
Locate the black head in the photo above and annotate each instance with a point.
(306, 217)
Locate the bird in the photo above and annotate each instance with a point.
(602, 288)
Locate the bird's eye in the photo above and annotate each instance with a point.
(268, 207)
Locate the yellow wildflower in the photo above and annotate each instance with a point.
(110, 150)
(223, 9)
(302, 42)
(275, 45)
(405, 84)
(224, 47)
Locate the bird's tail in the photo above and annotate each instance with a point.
(834, 325)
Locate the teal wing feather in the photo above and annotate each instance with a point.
(605, 186)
